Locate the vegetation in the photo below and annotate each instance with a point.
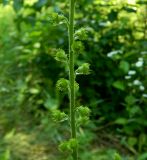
(35, 60)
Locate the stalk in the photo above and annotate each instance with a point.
(72, 76)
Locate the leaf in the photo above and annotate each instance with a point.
(121, 121)
(41, 3)
(130, 99)
(5, 155)
(142, 140)
(34, 91)
(143, 156)
(18, 4)
(132, 141)
(5, 2)
(117, 156)
(128, 9)
(124, 66)
(119, 85)
(142, 2)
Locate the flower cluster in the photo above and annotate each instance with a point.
(68, 146)
(58, 116)
(83, 69)
(61, 56)
(62, 85)
(81, 34)
(56, 19)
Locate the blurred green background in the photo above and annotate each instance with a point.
(115, 91)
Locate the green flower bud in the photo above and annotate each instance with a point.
(78, 47)
(55, 19)
(83, 111)
(82, 120)
(59, 116)
(62, 85)
(68, 146)
(83, 69)
(65, 147)
(81, 34)
(61, 56)
(76, 86)
(73, 143)
(117, 156)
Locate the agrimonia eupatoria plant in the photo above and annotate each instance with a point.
(78, 114)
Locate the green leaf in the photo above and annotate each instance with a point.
(124, 66)
(121, 121)
(132, 141)
(119, 85)
(5, 155)
(143, 156)
(142, 141)
(130, 99)
(34, 91)
(18, 4)
(117, 156)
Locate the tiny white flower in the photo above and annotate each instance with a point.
(37, 45)
(127, 77)
(144, 95)
(139, 64)
(131, 72)
(140, 59)
(137, 82)
(110, 54)
(144, 52)
(142, 88)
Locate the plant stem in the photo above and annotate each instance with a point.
(72, 75)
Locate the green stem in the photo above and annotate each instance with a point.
(72, 75)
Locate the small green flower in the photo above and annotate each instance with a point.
(62, 85)
(82, 120)
(76, 86)
(56, 19)
(58, 116)
(65, 147)
(83, 111)
(81, 34)
(61, 56)
(68, 146)
(73, 143)
(83, 69)
(78, 47)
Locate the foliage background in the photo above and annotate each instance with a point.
(115, 91)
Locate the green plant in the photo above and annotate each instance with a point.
(75, 39)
